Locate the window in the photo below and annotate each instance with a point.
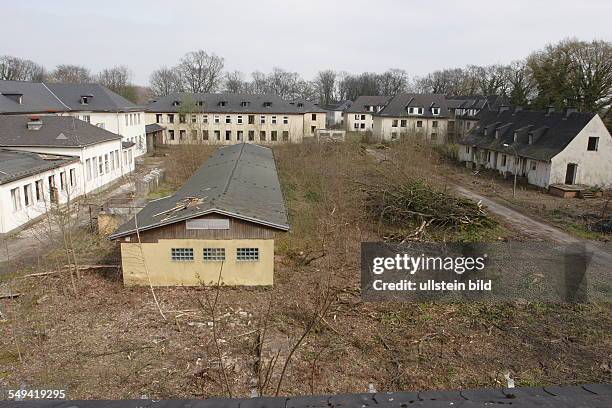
(87, 118)
(362, 126)
(274, 120)
(262, 119)
(593, 144)
(94, 167)
(314, 116)
(194, 119)
(434, 123)
(228, 135)
(251, 119)
(356, 125)
(16, 198)
(182, 134)
(181, 118)
(106, 167)
(112, 160)
(410, 110)
(27, 195)
(194, 134)
(205, 119)
(247, 254)
(394, 123)
(504, 159)
(467, 149)
(434, 136)
(72, 177)
(213, 254)
(100, 165)
(88, 169)
(63, 181)
(285, 135)
(171, 134)
(262, 135)
(534, 165)
(362, 117)
(205, 134)
(356, 117)
(393, 135)
(117, 159)
(419, 123)
(403, 123)
(435, 111)
(285, 120)
(170, 118)
(273, 136)
(217, 119)
(39, 190)
(228, 119)
(239, 120)
(182, 254)
(127, 121)
(125, 158)
(251, 135)
(239, 135)
(217, 135)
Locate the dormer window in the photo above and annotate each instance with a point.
(516, 137)
(410, 110)
(497, 133)
(176, 103)
(222, 103)
(200, 103)
(85, 99)
(435, 111)
(267, 104)
(15, 97)
(300, 105)
(530, 139)
(244, 103)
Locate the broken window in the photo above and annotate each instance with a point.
(251, 119)
(285, 135)
(170, 118)
(228, 135)
(394, 123)
(262, 135)
(593, 144)
(251, 135)
(273, 136)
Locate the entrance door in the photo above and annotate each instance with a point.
(570, 174)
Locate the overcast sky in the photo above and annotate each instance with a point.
(303, 36)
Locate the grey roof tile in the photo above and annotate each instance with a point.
(15, 165)
(239, 181)
(360, 104)
(398, 104)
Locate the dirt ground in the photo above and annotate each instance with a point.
(108, 341)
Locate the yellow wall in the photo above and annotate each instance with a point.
(163, 271)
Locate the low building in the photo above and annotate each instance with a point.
(221, 221)
(155, 136)
(92, 103)
(103, 157)
(335, 113)
(31, 183)
(233, 118)
(464, 110)
(422, 116)
(544, 147)
(359, 116)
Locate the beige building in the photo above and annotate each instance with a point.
(233, 118)
(464, 110)
(422, 116)
(219, 225)
(359, 116)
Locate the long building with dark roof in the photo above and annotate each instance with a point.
(222, 221)
(227, 118)
(92, 103)
(545, 147)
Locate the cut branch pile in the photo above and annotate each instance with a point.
(416, 203)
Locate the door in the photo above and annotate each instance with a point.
(570, 174)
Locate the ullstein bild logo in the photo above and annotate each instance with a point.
(481, 272)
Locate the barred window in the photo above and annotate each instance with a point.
(182, 254)
(214, 254)
(247, 254)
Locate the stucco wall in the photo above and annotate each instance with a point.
(352, 118)
(594, 167)
(165, 272)
(384, 129)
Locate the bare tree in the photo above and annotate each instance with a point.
(392, 82)
(165, 81)
(522, 84)
(17, 69)
(325, 84)
(235, 83)
(116, 78)
(201, 72)
(72, 74)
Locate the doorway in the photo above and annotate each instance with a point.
(570, 174)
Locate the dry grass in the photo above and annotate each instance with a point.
(110, 341)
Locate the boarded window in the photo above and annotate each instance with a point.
(247, 254)
(182, 254)
(208, 224)
(213, 254)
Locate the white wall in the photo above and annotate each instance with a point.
(129, 125)
(384, 129)
(11, 218)
(594, 167)
(363, 120)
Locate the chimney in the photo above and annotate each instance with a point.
(34, 123)
(569, 110)
(549, 109)
(503, 108)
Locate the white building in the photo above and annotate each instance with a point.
(359, 116)
(102, 156)
(91, 103)
(546, 147)
(233, 118)
(335, 113)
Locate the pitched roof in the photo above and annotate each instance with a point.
(551, 132)
(477, 102)
(56, 131)
(15, 165)
(101, 99)
(239, 181)
(338, 106)
(37, 97)
(153, 127)
(398, 104)
(360, 104)
(306, 106)
(223, 103)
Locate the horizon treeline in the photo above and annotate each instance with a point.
(569, 73)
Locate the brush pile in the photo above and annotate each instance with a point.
(415, 202)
